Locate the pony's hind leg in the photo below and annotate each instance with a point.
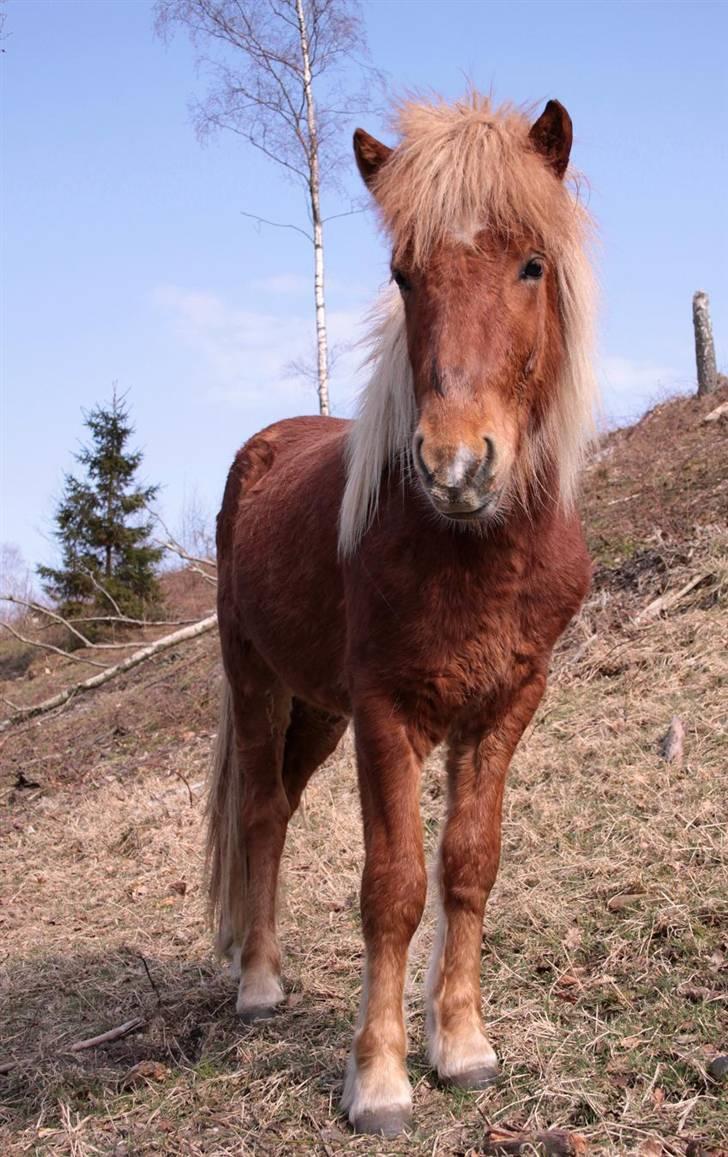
(311, 738)
(248, 817)
(469, 856)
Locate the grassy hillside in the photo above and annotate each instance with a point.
(606, 937)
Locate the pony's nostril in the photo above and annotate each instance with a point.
(489, 460)
(418, 443)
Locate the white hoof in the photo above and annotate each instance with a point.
(259, 997)
(377, 1099)
(467, 1059)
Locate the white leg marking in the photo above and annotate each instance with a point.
(235, 968)
(453, 1054)
(258, 989)
(382, 1085)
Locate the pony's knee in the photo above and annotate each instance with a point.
(393, 898)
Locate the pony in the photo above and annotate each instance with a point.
(411, 571)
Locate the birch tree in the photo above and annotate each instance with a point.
(276, 73)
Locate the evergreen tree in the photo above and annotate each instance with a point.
(101, 527)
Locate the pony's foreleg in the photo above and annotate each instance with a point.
(377, 1093)
(468, 865)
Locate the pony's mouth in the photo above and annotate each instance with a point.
(465, 515)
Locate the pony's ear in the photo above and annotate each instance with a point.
(370, 156)
(551, 136)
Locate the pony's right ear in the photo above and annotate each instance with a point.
(370, 156)
(551, 136)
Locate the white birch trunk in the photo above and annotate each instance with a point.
(318, 236)
(704, 345)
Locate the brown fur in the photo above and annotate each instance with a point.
(427, 631)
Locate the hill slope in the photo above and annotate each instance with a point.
(605, 941)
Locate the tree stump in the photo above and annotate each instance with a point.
(704, 345)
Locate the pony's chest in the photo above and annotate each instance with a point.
(450, 644)
(455, 624)
(467, 649)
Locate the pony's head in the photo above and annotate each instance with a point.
(483, 380)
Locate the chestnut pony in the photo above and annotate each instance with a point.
(412, 571)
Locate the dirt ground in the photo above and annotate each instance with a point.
(606, 938)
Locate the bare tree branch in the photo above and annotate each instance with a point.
(196, 562)
(104, 676)
(49, 647)
(175, 548)
(178, 550)
(276, 224)
(68, 623)
(126, 621)
(39, 609)
(103, 591)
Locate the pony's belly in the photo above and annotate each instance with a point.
(298, 628)
(287, 581)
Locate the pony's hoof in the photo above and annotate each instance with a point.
(383, 1122)
(480, 1077)
(258, 1012)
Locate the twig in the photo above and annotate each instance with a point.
(276, 224)
(7, 1066)
(151, 980)
(186, 782)
(112, 1034)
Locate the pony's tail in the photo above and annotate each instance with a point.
(226, 858)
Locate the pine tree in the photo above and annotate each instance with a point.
(101, 527)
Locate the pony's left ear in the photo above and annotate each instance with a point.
(551, 136)
(370, 156)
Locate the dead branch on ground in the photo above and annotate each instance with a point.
(108, 673)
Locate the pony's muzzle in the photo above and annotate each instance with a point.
(457, 479)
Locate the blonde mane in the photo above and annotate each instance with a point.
(459, 168)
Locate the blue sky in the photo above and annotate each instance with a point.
(126, 258)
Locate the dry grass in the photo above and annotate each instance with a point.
(605, 942)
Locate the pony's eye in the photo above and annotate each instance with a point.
(401, 281)
(532, 270)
